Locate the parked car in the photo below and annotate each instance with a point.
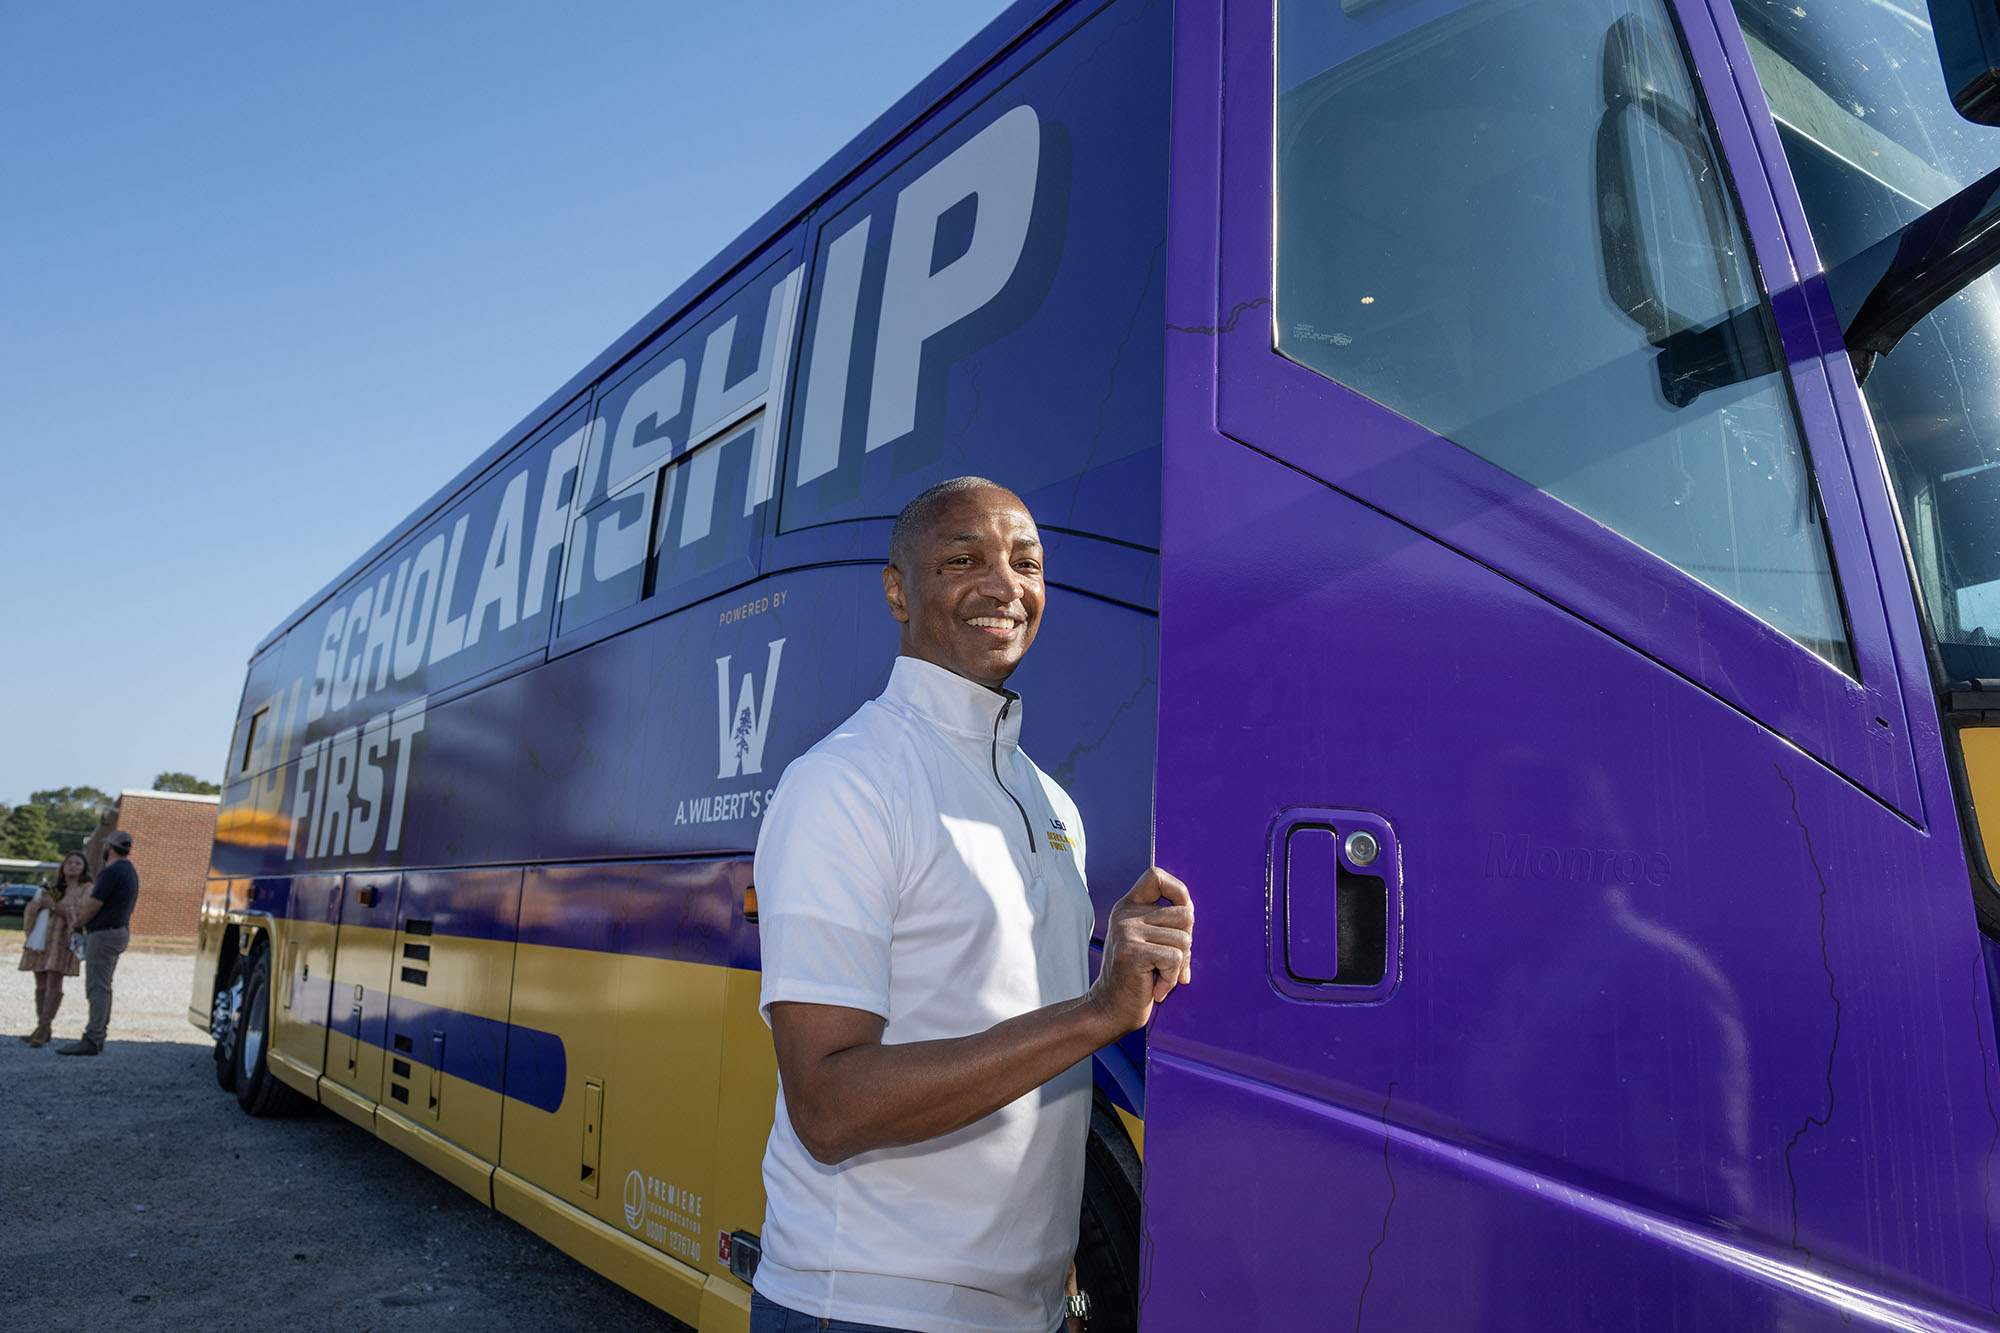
(14, 898)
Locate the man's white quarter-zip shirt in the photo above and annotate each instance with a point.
(917, 865)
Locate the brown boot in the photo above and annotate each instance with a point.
(45, 1020)
(48, 1023)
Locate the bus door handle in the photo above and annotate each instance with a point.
(354, 1037)
(1335, 908)
(437, 1069)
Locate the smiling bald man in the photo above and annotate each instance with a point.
(925, 926)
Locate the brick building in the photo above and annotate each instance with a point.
(172, 835)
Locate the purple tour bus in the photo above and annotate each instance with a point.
(1522, 486)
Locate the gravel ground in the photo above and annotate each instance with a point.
(134, 1194)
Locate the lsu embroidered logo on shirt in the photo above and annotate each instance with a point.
(1059, 840)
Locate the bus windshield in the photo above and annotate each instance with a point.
(1859, 98)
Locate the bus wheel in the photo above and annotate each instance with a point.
(258, 1090)
(225, 1023)
(1107, 1239)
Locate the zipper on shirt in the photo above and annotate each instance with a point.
(1025, 824)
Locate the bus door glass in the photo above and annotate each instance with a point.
(1531, 732)
(1597, 350)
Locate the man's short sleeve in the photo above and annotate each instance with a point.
(826, 889)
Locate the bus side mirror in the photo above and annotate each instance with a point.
(1662, 235)
(1968, 42)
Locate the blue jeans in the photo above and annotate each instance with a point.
(767, 1316)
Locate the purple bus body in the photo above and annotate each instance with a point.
(1690, 1025)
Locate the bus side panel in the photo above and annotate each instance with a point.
(615, 1051)
(1683, 1029)
(565, 985)
(302, 978)
(447, 1021)
(363, 962)
(660, 1107)
(1401, 1231)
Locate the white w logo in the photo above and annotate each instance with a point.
(740, 731)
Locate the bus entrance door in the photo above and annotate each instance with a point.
(363, 943)
(1561, 686)
(449, 978)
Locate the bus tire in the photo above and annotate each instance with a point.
(225, 1024)
(1108, 1232)
(258, 1090)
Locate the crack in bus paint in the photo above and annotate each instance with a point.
(1236, 312)
(1832, 991)
(1063, 771)
(1361, 1303)
(1111, 384)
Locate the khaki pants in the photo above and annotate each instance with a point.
(101, 949)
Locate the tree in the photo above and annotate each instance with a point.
(28, 835)
(185, 783)
(72, 814)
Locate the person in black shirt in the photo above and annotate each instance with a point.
(105, 918)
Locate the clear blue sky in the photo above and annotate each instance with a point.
(271, 274)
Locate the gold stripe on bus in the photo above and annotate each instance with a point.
(675, 1287)
(1981, 748)
(466, 1170)
(1135, 1129)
